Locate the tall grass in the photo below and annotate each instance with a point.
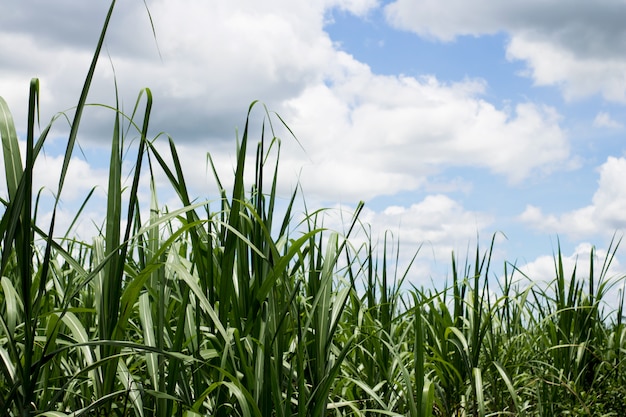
(238, 308)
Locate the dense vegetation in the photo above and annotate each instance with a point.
(233, 311)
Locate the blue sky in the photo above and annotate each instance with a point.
(449, 119)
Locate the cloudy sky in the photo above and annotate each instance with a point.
(450, 119)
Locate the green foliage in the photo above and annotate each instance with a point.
(234, 311)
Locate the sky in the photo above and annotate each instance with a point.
(453, 121)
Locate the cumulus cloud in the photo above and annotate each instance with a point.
(357, 7)
(604, 119)
(544, 268)
(81, 177)
(437, 219)
(431, 228)
(577, 75)
(363, 134)
(390, 133)
(605, 215)
(574, 25)
(202, 82)
(576, 45)
(542, 271)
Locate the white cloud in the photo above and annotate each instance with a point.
(437, 224)
(543, 271)
(87, 226)
(574, 44)
(604, 119)
(605, 215)
(371, 134)
(578, 76)
(544, 268)
(364, 134)
(437, 219)
(81, 176)
(227, 55)
(431, 18)
(357, 7)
